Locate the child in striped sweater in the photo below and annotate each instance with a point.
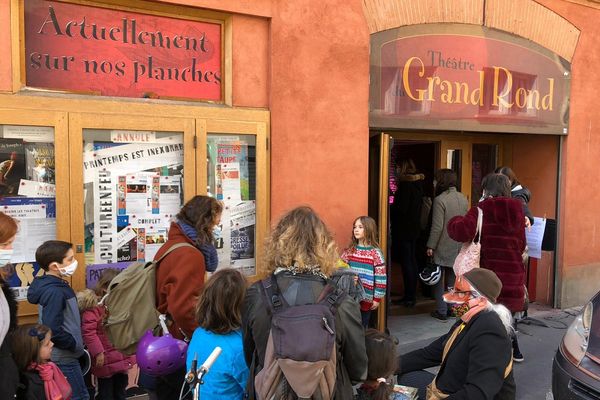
(366, 258)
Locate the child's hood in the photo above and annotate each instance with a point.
(39, 288)
(86, 300)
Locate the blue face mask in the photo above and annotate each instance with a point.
(5, 256)
(217, 231)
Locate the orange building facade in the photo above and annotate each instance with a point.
(295, 85)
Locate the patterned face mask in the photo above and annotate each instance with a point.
(458, 310)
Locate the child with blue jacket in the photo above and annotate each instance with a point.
(59, 311)
(218, 313)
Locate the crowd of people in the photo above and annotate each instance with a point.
(314, 307)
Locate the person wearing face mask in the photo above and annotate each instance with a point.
(180, 276)
(475, 356)
(58, 310)
(9, 377)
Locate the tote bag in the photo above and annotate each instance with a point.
(468, 256)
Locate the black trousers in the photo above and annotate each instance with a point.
(113, 387)
(168, 387)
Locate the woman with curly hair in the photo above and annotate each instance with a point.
(300, 255)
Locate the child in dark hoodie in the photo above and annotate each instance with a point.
(59, 311)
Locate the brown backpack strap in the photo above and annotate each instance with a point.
(173, 248)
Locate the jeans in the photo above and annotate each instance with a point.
(410, 269)
(366, 317)
(74, 375)
(447, 280)
(417, 379)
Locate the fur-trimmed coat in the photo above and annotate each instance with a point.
(96, 340)
(502, 244)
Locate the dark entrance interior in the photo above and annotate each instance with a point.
(425, 156)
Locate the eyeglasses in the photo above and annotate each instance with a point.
(35, 333)
(464, 294)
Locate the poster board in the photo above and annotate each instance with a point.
(133, 190)
(28, 194)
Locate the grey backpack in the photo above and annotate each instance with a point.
(300, 359)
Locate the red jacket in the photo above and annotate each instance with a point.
(97, 342)
(502, 244)
(179, 280)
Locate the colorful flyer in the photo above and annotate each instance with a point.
(155, 194)
(122, 195)
(12, 166)
(39, 162)
(141, 244)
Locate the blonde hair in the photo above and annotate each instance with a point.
(86, 299)
(370, 229)
(302, 240)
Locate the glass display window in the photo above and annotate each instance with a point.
(231, 179)
(28, 194)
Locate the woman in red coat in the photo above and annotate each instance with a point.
(502, 241)
(180, 275)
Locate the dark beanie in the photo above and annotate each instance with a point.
(485, 281)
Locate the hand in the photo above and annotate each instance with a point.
(100, 360)
(528, 224)
(429, 252)
(375, 305)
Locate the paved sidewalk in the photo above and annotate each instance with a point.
(538, 344)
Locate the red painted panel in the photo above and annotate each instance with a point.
(119, 53)
(484, 80)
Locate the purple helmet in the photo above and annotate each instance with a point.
(160, 355)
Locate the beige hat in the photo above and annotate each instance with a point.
(486, 282)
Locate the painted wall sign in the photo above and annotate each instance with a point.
(119, 53)
(467, 81)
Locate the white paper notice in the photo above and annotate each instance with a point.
(36, 189)
(155, 238)
(105, 218)
(223, 244)
(243, 222)
(124, 236)
(43, 134)
(32, 233)
(170, 195)
(25, 211)
(130, 158)
(535, 237)
(118, 136)
(228, 181)
(137, 194)
(149, 221)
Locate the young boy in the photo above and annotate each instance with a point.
(58, 310)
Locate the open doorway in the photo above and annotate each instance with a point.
(408, 222)
(471, 156)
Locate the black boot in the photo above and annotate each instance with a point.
(517, 355)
